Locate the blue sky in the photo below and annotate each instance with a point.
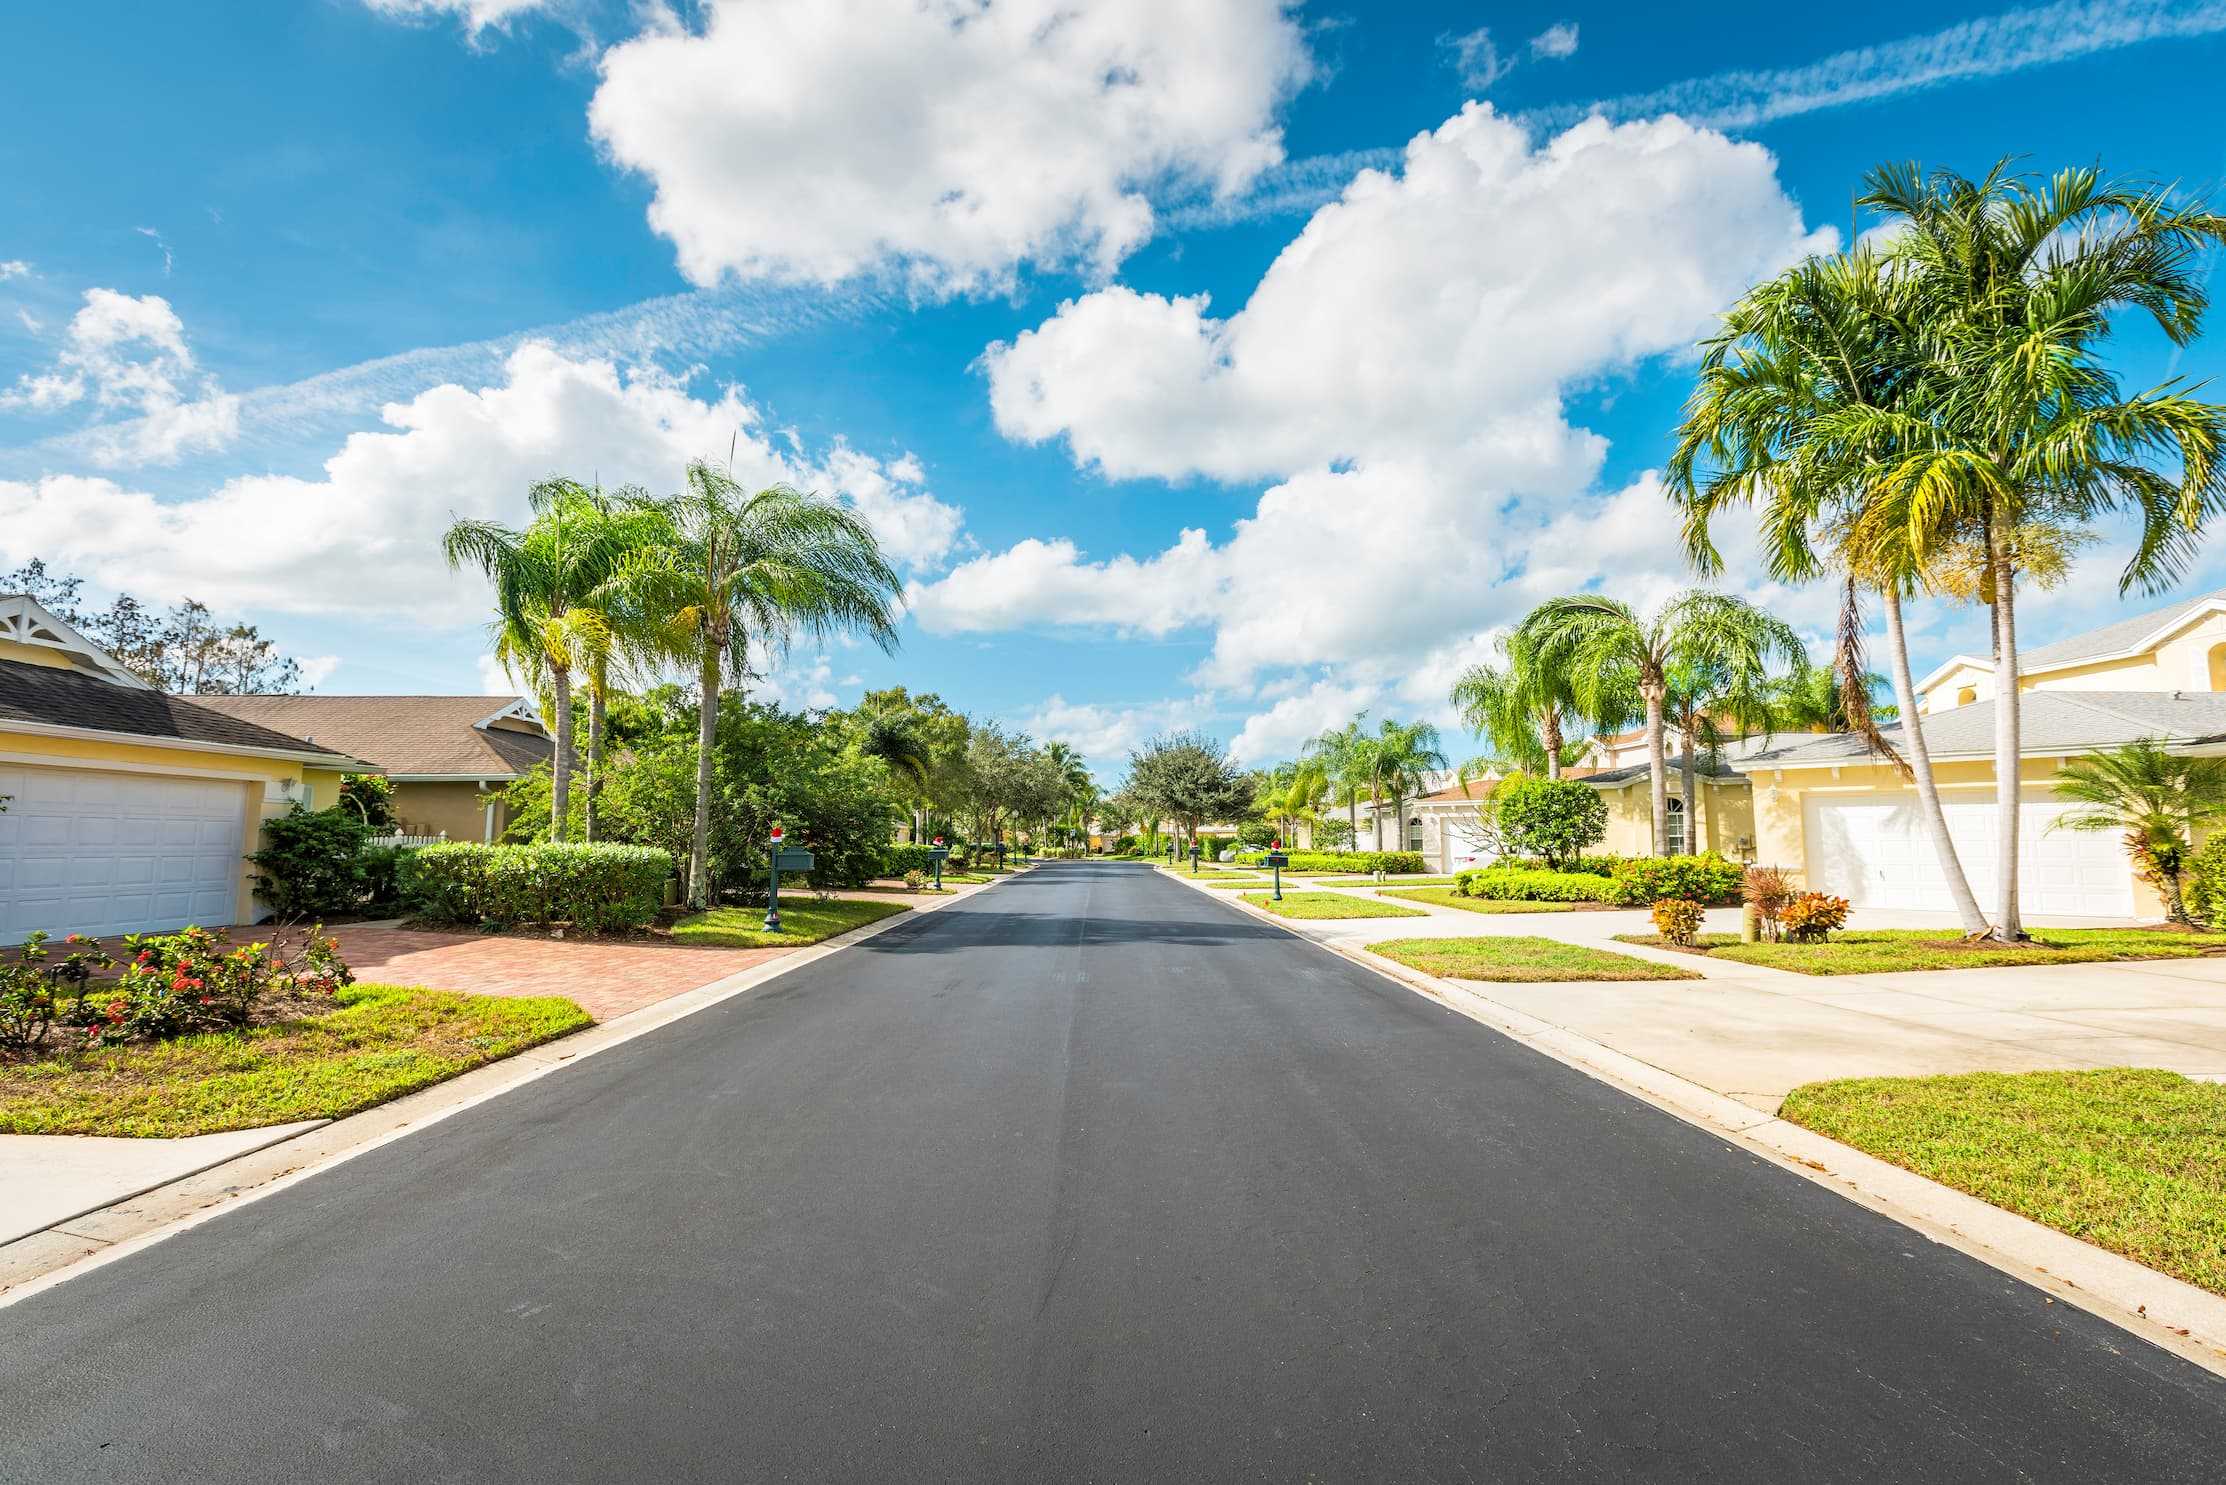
(1173, 414)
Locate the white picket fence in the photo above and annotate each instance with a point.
(408, 842)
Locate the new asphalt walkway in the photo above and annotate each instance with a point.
(1090, 1176)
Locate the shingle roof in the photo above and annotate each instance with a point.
(405, 735)
(2051, 723)
(1705, 767)
(49, 696)
(2112, 639)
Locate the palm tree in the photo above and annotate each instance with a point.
(2159, 800)
(546, 578)
(1299, 795)
(1814, 699)
(1525, 711)
(738, 569)
(1399, 759)
(1341, 753)
(1613, 655)
(1078, 789)
(1790, 414)
(2019, 427)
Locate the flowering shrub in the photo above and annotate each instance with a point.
(1767, 890)
(167, 984)
(913, 881)
(1677, 920)
(1703, 879)
(1813, 915)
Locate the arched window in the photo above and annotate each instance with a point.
(1967, 695)
(1414, 834)
(1676, 842)
(2218, 667)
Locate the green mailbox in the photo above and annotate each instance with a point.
(1277, 859)
(939, 853)
(784, 858)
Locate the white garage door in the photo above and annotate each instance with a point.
(83, 851)
(1871, 849)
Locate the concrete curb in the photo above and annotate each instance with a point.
(2183, 1319)
(60, 1252)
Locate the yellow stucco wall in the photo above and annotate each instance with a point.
(2183, 661)
(450, 808)
(1779, 808)
(264, 782)
(1726, 816)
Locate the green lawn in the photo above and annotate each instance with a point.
(381, 1042)
(803, 921)
(1329, 905)
(1447, 897)
(1881, 950)
(1522, 959)
(2129, 1159)
(1241, 884)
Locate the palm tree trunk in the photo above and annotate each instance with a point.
(1657, 767)
(707, 726)
(1920, 766)
(560, 766)
(2007, 749)
(595, 709)
(1552, 735)
(1352, 807)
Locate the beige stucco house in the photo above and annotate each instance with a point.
(1848, 822)
(126, 810)
(444, 754)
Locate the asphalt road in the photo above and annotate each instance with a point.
(1086, 1177)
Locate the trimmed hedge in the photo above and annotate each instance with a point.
(593, 887)
(1709, 879)
(1394, 863)
(897, 860)
(1524, 884)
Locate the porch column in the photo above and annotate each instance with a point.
(490, 835)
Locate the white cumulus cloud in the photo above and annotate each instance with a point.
(475, 15)
(815, 140)
(365, 538)
(129, 354)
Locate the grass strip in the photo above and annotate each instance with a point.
(1516, 959)
(1330, 905)
(1887, 950)
(1447, 897)
(380, 1042)
(802, 922)
(2130, 1159)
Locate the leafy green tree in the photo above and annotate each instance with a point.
(1612, 654)
(734, 569)
(1525, 711)
(2021, 429)
(1552, 818)
(1187, 777)
(2158, 800)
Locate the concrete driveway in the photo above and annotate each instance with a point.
(1756, 1034)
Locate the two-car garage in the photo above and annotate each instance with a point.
(1871, 848)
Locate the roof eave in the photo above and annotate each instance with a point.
(317, 756)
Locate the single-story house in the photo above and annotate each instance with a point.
(444, 754)
(123, 809)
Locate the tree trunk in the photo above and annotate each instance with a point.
(1657, 766)
(707, 726)
(1920, 767)
(560, 766)
(1691, 781)
(1552, 732)
(594, 753)
(2007, 749)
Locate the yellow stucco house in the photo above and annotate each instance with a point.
(1848, 822)
(127, 810)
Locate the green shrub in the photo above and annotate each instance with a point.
(309, 863)
(379, 870)
(1519, 884)
(1394, 863)
(2206, 880)
(1550, 818)
(1708, 879)
(897, 860)
(593, 887)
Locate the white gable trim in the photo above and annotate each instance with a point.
(26, 621)
(2134, 651)
(519, 707)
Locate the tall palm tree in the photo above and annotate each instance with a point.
(1527, 712)
(1078, 790)
(1791, 415)
(1400, 758)
(1612, 654)
(737, 570)
(547, 624)
(2158, 800)
(1302, 789)
(1341, 753)
(2020, 425)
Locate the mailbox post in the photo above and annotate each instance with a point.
(1277, 860)
(783, 859)
(937, 854)
(999, 848)
(1195, 853)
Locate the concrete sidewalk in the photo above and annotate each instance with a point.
(1755, 1034)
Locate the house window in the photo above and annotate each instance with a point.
(1970, 694)
(1676, 826)
(2218, 667)
(1414, 834)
